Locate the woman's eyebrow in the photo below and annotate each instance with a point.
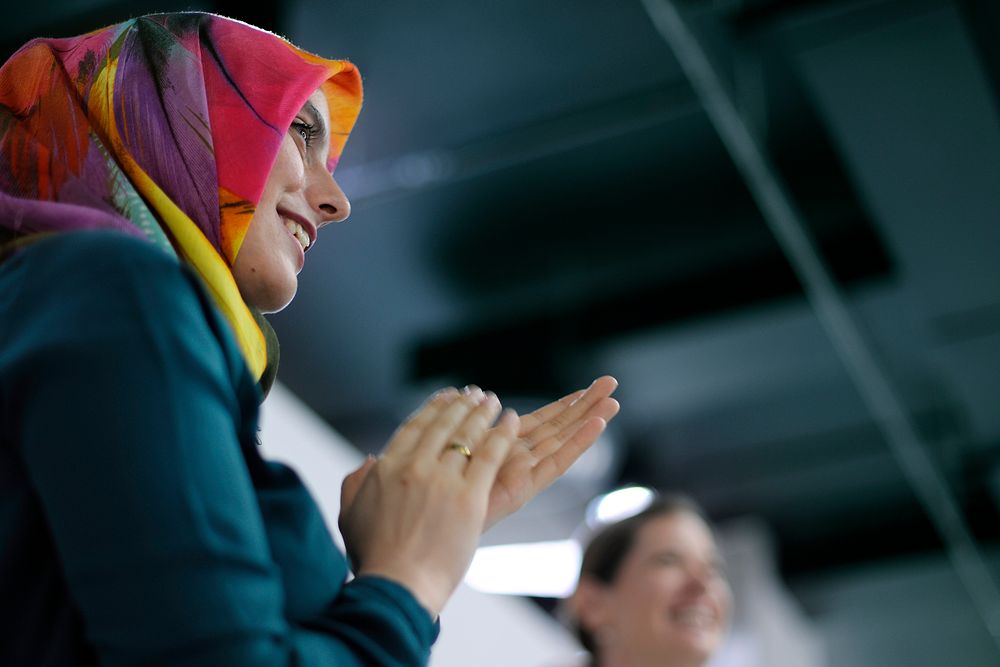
(317, 119)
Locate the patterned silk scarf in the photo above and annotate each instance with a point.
(164, 127)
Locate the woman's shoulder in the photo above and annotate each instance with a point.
(83, 253)
(109, 295)
(93, 265)
(103, 280)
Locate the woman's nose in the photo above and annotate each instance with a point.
(328, 200)
(699, 576)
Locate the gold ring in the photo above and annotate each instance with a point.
(461, 449)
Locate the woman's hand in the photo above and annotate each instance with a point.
(417, 512)
(551, 439)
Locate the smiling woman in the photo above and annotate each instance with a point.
(160, 183)
(299, 197)
(652, 590)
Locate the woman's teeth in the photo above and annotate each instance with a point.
(298, 232)
(695, 616)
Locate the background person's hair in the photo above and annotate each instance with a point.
(608, 548)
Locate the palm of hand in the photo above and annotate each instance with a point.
(551, 440)
(514, 484)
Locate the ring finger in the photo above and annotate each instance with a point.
(462, 442)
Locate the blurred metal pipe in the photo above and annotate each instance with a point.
(872, 382)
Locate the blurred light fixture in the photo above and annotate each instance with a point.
(537, 569)
(617, 505)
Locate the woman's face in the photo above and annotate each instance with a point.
(300, 196)
(669, 603)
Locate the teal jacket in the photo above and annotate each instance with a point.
(138, 522)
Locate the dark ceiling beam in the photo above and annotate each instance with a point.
(493, 352)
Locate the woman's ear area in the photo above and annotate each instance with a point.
(590, 604)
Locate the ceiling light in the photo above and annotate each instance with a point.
(618, 505)
(537, 569)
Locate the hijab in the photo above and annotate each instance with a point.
(164, 127)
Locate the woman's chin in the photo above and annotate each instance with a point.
(272, 298)
(700, 647)
(276, 305)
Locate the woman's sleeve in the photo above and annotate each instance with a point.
(124, 410)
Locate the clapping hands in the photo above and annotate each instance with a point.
(550, 440)
(416, 513)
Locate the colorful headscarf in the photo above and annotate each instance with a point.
(165, 127)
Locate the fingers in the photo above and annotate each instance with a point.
(606, 409)
(408, 435)
(470, 432)
(491, 454)
(532, 421)
(556, 453)
(572, 441)
(439, 432)
(553, 464)
(578, 409)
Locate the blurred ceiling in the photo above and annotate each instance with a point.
(539, 198)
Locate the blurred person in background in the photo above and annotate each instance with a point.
(652, 590)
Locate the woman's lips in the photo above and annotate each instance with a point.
(294, 241)
(308, 227)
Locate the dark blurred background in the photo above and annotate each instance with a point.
(539, 198)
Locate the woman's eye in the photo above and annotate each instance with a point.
(668, 558)
(304, 130)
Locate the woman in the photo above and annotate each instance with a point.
(652, 592)
(160, 183)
